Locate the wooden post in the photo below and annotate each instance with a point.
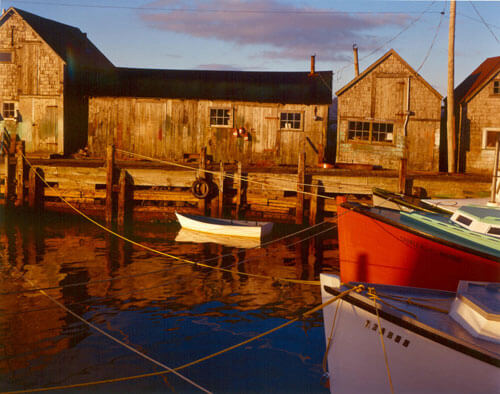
(110, 165)
(125, 198)
(221, 190)
(202, 203)
(402, 175)
(494, 179)
(315, 202)
(20, 173)
(239, 186)
(9, 180)
(301, 177)
(36, 189)
(450, 110)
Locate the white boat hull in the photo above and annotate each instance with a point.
(228, 227)
(417, 364)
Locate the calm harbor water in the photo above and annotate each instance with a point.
(173, 312)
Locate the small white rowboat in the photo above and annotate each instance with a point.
(236, 228)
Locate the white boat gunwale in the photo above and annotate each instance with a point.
(415, 326)
(240, 228)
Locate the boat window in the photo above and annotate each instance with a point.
(494, 231)
(463, 220)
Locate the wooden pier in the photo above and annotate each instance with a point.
(119, 189)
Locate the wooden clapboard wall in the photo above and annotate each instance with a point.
(169, 128)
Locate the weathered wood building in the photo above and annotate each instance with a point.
(477, 109)
(376, 108)
(252, 117)
(58, 92)
(42, 98)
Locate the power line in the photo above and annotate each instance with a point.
(484, 22)
(391, 39)
(216, 10)
(433, 41)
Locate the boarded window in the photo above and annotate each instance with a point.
(9, 110)
(496, 87)
(291, 120)
(371, 132)
(5, 57)
(490, 138)
(220, 117)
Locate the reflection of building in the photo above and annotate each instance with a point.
(477, 110)
(372, 112)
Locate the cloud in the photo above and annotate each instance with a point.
(283, 30)
(219, 67)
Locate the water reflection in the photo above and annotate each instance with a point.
(170, 310)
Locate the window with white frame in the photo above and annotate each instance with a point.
(220, 117)
(490, 137)
(370, 132)
(9, 110)
(291, 120)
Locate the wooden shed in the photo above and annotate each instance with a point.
(379, 107)
(252, 117)
(477, 109)
(42, 98)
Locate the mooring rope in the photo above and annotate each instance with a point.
(176, 258)
(118, 341)
(92, 282)
(146, 375)
(242, 178)
(373, 296)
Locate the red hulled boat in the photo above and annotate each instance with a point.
(382, 246)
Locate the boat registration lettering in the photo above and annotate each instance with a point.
(387, 333)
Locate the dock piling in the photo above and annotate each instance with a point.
(301, 177)
(125, 198)
(36, 189)
(20, 173)
(110, 166)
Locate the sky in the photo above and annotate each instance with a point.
(281, 35)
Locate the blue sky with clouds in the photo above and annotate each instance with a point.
(280, 35)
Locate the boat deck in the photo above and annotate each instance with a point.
(434, 324)
(436, 225)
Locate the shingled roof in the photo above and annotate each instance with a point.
(68, 42)
(477, 79)
(272, 87)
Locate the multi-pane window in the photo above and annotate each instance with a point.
(496, 87)
(5, 57)
(220, 117)
(382, 132)
(370, 131)
(9, 110)
(291, 120)
(359, 131)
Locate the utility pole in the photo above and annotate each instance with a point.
(450, 126)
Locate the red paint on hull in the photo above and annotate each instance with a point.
(374, 251)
